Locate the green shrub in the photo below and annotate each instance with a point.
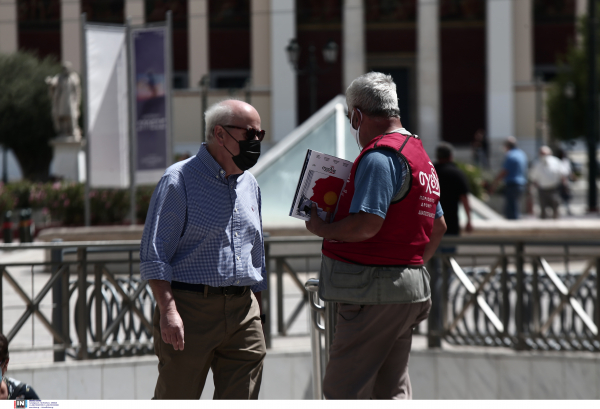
(475, 178)
(64, 204)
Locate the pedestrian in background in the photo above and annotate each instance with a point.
(514, 174)
(480, 150)
(548, 174)
(454, 189)
(564, 190)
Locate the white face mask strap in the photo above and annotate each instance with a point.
(357, 132)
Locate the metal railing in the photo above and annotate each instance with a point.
(115, 315)
(536, 294)
(514, 292)
(94, 312)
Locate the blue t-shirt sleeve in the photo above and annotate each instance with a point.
(378, 178)
(438, 211)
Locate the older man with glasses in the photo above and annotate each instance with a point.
(202, 252)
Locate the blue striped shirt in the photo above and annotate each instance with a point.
(204, 228)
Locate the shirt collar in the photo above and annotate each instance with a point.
(213, 166)
(403, 131)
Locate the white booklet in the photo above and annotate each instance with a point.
(322, 180)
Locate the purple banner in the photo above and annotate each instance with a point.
(150, 94)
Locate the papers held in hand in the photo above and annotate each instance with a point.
(321, 181)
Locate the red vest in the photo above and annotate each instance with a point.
(408, 222)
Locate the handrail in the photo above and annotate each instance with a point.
(312, 285)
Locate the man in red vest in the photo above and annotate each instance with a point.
(388, 217)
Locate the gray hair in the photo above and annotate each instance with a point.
(374, 94)
(510, 142)
(218, 114)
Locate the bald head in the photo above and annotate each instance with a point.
(226, 113)
(545, 151)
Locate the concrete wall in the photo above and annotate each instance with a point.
(442, 374)
(286, 376)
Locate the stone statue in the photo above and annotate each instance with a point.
(65, 95)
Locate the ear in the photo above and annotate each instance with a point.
(218, 135)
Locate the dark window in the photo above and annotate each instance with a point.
(319, 12)
(104, 11)
(462, 10)
(554, 30)
(229, 14)
(39, 27)
(390, 11)
(554, 11)
(317, 22)
(156, 11)
(229, 23)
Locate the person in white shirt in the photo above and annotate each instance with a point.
(548, 174)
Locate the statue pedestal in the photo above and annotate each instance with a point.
(69, 159)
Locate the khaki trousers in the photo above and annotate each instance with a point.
(221, 332)
(371, 346)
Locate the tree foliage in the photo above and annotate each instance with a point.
(25, 111)
(568, 113)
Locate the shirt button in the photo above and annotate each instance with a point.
(238, 257)
(237, 282)
(236, 209)
(236, 234)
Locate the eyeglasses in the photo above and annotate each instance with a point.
(251, 133)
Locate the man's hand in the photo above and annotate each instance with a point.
(352, 229)
(171, 328)
(439, 228)
(315, 223)
(469, 227)
(171, 324)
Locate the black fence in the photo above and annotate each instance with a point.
(517, 293)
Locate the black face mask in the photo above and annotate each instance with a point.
(249, 153)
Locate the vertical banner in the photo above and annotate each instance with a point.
(106, 101)
(151, 107)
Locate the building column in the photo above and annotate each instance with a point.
(70, 33)
(198, 49)
(428, 74)
(283, 76)
(353, 41)
(500, 77)
(8, 26)
(525, 105)
(134, 9)
(260, 25)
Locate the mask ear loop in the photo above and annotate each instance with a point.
(357, 136)
(231, 138)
